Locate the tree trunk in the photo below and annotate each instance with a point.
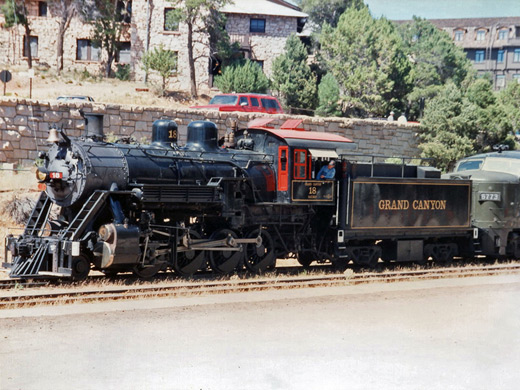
(108, 69)
(67, 10)
(59, 49)
(191, 61)
(163, 90)
(28, 45)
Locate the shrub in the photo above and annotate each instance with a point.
(123, 72)
(245, 77)
(162, 61)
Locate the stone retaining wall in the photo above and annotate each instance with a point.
(24, 126)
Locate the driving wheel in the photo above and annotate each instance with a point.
(224, 261)
(189, 262)
(260, 256)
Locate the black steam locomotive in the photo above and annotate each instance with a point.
(244, 201)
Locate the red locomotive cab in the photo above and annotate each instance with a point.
(298, 154)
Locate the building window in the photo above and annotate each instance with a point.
(87, 51)
(171, 22)
(123, 52)
(500, 56)
(502, 34)
(479, 56)
(33, 44)
(481, 35)
(500, 81)
(124, 11)
(176, 56)
(257, 26)
(42, 8)
(516, 57)
(459, 35)
(517, 77)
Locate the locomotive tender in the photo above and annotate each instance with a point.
(245, 203)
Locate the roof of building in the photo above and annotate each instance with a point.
(471, 22)
(262, 7)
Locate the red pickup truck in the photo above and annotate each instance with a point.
(245, 102)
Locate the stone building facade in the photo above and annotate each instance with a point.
(492, 45)
(261, 27)
(24, 126)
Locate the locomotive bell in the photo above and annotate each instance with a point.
(54, 136)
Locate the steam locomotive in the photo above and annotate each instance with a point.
(245, 200)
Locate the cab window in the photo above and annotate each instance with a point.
(469, 165)
(300, 164)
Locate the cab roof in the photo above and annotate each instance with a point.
(294, 136)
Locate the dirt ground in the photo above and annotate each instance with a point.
(443, 334)
(46, 85)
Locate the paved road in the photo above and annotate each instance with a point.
(455, 334)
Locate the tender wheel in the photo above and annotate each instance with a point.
(80, 268)
(365, 255)
(189, 262)
(224, 262)
(442, 253)
(514, 246)
(259, 258)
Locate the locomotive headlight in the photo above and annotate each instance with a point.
(41, 174)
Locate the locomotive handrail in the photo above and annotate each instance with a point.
(374, 156)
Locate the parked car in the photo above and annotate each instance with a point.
(246, 102)
(75, 97)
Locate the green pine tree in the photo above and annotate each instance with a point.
(459, 122)
(436, 60)
(366, 58)
(328, 96)
(293, 79)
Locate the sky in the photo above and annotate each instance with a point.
(443, 9)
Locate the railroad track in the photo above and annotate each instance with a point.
(21, 284)
(27, 298)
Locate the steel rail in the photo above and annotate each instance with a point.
(113, 293)
(21, 284)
